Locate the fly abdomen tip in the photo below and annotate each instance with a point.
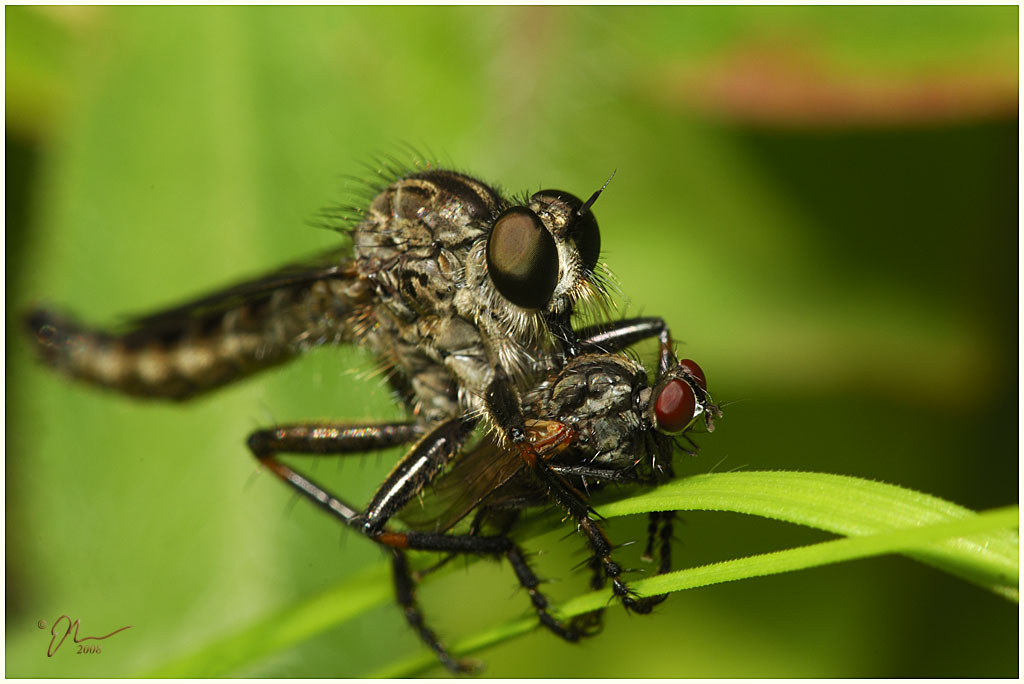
(51, 333)
(40, 325)
(76, 350)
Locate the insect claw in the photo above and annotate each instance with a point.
(587, 624)
(642, 606)
(464, 665)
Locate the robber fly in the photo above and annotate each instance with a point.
(466, 299)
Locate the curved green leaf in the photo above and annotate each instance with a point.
(743, 568)
(876, 518)
(845, 505)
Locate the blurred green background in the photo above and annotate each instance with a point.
(822, 202)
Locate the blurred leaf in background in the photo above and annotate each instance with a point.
(822, 202)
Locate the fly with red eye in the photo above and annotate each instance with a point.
(680, 399)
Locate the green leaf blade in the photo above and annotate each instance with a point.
(874, 518)
(760, 565)
(843, 505)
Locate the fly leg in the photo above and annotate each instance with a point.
(405, 594)
(475, 528)
(591, 622)
(659, 532)
(405, 583)
(406, 480)
(659, 528)
(327, 438)
(410, 475)
(615, 336)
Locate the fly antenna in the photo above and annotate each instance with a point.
(593, 198)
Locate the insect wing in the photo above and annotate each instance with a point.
(474, 476)
(334, 265)
(198, 346)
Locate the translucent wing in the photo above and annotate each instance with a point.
(484, 476)
(333, 265)
(475, 475)
(208, 342)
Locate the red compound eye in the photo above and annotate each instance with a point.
(675, 406)
(693, 369)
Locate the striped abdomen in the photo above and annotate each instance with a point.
(213, 341)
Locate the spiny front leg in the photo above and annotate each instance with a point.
(497, 545)
(405, 593)
(615, 336)
(659, 533)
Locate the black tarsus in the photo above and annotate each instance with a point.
(405, 594)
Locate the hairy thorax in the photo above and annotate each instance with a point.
(437, 322)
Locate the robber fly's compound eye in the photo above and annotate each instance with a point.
(691, 368)
(522, 258)
(675, 406)
(580, 225)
